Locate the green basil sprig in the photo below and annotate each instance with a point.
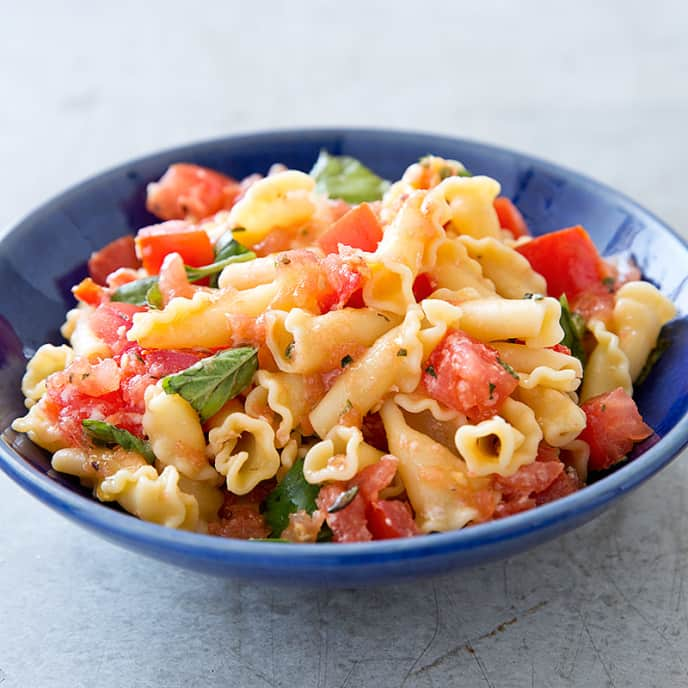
(573, 325)
(109, 435)
(340, 176)
(210, 383)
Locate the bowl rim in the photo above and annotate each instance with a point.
(243, 554)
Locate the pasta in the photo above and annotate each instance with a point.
(351, 361)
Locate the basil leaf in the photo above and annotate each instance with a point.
(656, 353)
(347, 178)
(574, 329)
(195, 274)
(227, 247)
(134, 292)
(210, 383)
(291, 495)
(154, 297)
(108, 434)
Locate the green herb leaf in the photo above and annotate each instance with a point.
(574, 329)
(346, 361)
(228, 247)
(210, 383)
(402, 352)
(154, 297)
(214, 269)
(134, 292)
(662, 345)
(291, 495)
(347, 178)
(105, 433)
(431, 371)
(533, 297)
(492, 388)
(343, 500)
(508, 368)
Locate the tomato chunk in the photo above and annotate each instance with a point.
(510, 217)
(344, 285)
(111, 322)
(614, 426)
(120, 253)
(191, 243)
(358, 228)
(423, 286)
(187, 190)
(467, 375)
(567, 259)
(389, 518)
(87, 291)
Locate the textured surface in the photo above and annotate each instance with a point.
(85, 88)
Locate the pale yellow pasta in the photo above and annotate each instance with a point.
(243, 449)
(249, 274)
(435, 478)
(341, 455)
(304, 343)
(40, 429)
(93, 465)
(577, 454)
(289, 454)
(207, 494)
(175, 434)
(152, 497)
(279, 200)
(81, 337)
(454, 269)
(536, 321)
(393, 363)
(47, 360)
(640, 310)
(418, 403)
(202, 321)
(559, 417)
(507, 269)
(389, 287)
(607, 367)
(501, 444)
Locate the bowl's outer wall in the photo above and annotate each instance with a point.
(46, 254)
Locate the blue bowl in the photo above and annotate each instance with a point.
(45, 254)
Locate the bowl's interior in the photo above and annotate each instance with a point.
(46, 253)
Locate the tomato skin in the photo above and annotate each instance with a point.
(162, 362)
(389, 518)
(157, 241)
(567, 259)
(120, 253)
(345, 283)
(348, 524)
(614, 425)
(423, 286)
(465, 374)
(187, 190)
(510, 217)
(358, 228)
(111, 321)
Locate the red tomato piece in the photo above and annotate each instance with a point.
(510, 217)
(348, 524)
(343, 280)
(372, 479)
(111, 322)
(166, 362)
(467, 375)
(87, 291)
(390, 518)
(359, 228)
(423, 286)
(596, 302)
(561, 349)
(614, 426)
(532, 478)
(566, 483)
(567, 259)
(187, 190)
(120, 253)
(191, 243)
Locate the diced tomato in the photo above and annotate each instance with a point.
(94, 379)
(510, 217)
(161, 362)
(566, 483)
(567, 259)
(390, 518)
(187, 190)
(373, 430)
(614, 426)
(596, 302)
(348, 524)
(423, 286)
(120, 253)
(467, 375)
(191, 243)
(87, 291)
(532, 478)
(372, 479)
(561, 349)
(111, 322)
(359, 228)
(344, 282)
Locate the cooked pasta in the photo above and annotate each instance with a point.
(326, 356)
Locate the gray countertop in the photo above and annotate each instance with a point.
(600, 87)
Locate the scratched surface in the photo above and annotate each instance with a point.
(596, 86)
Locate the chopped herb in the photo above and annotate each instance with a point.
(656, 353)
(214, 269)
(534, 297)
(492, 389)
(604, 407)
(346, 360)
(85, 375)
(609, 282)
(291, 495)
(347, 407)
(574, 329)
(431, 371)
(344, 499)
(508, 368)
(464, 173)
(134, 292)
(402, 352)
(238, 229)
(289, 350)
(445, 172)
(347, 178)
(383, 316)
(208, 384)
(154, 297)
(107, 434)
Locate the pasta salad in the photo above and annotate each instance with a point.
(331, 357)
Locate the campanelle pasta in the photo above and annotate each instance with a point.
(325, 356)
